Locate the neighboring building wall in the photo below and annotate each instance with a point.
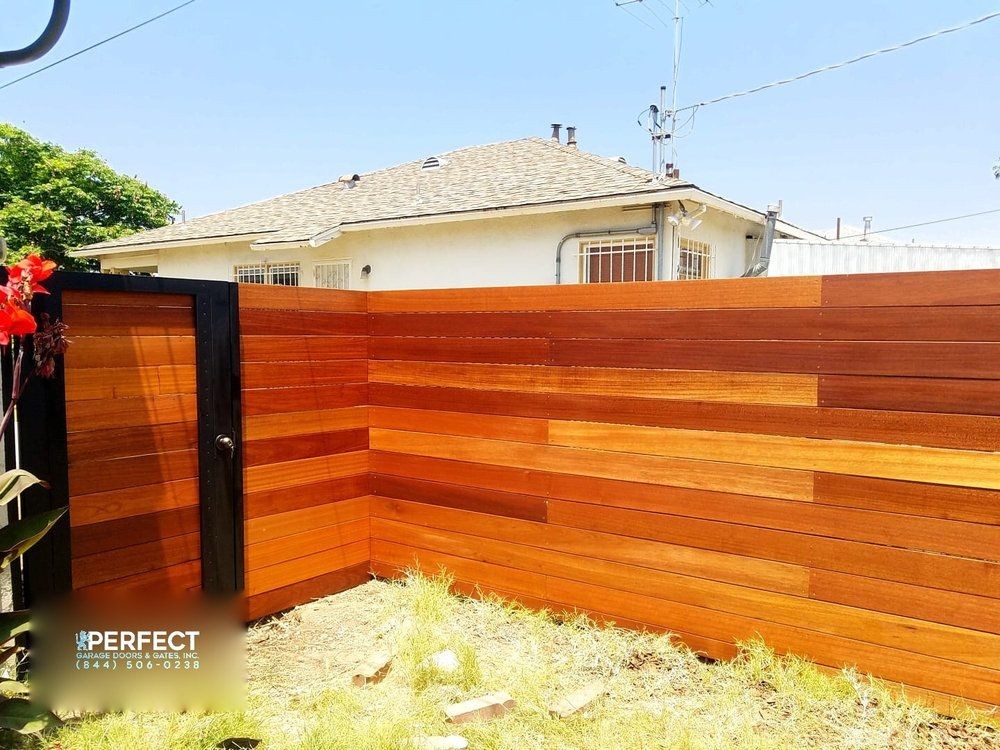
(802, 258)
(497, 252)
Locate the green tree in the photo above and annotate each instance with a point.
(53, 201)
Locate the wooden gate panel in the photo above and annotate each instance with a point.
(132, 434)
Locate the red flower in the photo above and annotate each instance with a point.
(15, 321)
(24, 277)
(39, 269)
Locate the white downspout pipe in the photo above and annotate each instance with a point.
(759, 267)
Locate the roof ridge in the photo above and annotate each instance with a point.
(445, 154)
(626, 169)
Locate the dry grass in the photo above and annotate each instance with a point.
(659, 695)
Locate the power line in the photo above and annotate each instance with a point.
(835, 66)
(641, 20)
(925, 223)
(97, 44)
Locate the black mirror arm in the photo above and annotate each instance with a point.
(46, 41)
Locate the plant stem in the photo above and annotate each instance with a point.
(16, 388)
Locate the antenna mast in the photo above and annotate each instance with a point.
(678, 32)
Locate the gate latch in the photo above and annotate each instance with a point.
(224, 443)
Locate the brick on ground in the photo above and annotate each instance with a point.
(373, 669)
(578, 699)
(487, 706)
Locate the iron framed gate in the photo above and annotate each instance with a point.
(139, 433)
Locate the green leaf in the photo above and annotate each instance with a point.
(25, 717)
(14, 482)
(18, 537)
(14, 623)
(8, 687)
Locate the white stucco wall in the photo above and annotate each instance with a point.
(517, 250)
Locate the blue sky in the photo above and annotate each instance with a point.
(231, 101)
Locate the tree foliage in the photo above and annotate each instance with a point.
(53, 201)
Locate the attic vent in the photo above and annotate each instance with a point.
(431, 163)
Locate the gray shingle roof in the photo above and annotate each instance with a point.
(525, 172)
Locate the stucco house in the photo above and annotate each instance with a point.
(522, 212)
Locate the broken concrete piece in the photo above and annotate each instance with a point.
(373, 669)
(570, 704)
(451, 742)
(485, 707)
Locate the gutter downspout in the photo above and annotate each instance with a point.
(661, 241)
(759, 267)
(642, 231)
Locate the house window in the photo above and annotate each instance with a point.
(282, 274)
(333, 275)
(695, 260)
(618, 259)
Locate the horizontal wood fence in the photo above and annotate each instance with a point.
(305, 451)
(812, 460)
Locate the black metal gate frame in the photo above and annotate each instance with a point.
(42, 434)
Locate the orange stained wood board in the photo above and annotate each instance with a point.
(267, 528)
(288, 298)
(913, 463)
(290, 474)
(710, 475)
(129, 382)
(139, 351)
(699, 563)
(739, 387)
(721, 293)
(306, 567)
(283, 549)
(305, 422)
(891, 630)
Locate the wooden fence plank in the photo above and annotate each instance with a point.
(719, 293)
(957, 396)
(913, 463)
(936, 288)
(693, 385)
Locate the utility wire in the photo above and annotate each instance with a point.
(835, 66)
(638, 18)
(924, 223)
(97, 44)
(656, 15)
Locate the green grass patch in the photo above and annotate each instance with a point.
(659, 694)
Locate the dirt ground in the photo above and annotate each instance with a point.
(658, 695)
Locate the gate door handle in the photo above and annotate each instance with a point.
(224, 443)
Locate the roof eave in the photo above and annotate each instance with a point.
(139, 247)
(258, 240)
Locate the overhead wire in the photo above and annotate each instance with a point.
(845, 63)
(641, 20)
(97, 44)
(924, 223)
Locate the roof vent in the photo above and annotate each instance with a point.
(349, 180)
(431, 163)
(622, 160)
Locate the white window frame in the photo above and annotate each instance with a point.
(695, 259)
(267, 272)
(617, 247)
(347, 269)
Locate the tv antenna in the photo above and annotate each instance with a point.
(662, 118)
